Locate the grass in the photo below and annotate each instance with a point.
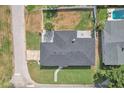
(5, 47)
(101, 16)
(85, 21)
(33, 40)
(65, 76)
(40, 76)
(76, 76)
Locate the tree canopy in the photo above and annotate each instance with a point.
(115, 77)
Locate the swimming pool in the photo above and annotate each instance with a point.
(118, 14)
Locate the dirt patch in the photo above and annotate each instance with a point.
(33, 21)
(67, 20)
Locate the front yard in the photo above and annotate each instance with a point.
(68, 75)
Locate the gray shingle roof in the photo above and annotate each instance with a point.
(63, 52)
(113, 43)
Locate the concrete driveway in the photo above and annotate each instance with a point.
(21, 77)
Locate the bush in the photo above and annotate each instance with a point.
(50, 14)
(30, 8)
(100, 26)
(115, 77)
(49, 26)
(100, 77)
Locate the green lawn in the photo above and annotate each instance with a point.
(101, 16)
(65, 76)
(76, 76)
(33, 40)
(85, 21)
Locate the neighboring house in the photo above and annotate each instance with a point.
(67, 48)
(113, 43)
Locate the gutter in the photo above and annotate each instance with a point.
(56, 74)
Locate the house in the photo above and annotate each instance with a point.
(113, 43)
(67, 48)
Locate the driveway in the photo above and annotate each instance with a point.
(21, 77)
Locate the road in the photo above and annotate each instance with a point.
(21, 77)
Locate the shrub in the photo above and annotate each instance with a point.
(49, 26)
(30, 7)
(115, 77)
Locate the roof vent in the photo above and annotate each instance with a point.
(122, 49)
(73, 40)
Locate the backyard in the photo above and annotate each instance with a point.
(54, 20)
(69, 20)
(5, 47)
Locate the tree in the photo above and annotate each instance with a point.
(50, 14)
(30, 8)
(115, 77)
(100, 26)
(100, 76)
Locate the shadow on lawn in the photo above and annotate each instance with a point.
(69, 67)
